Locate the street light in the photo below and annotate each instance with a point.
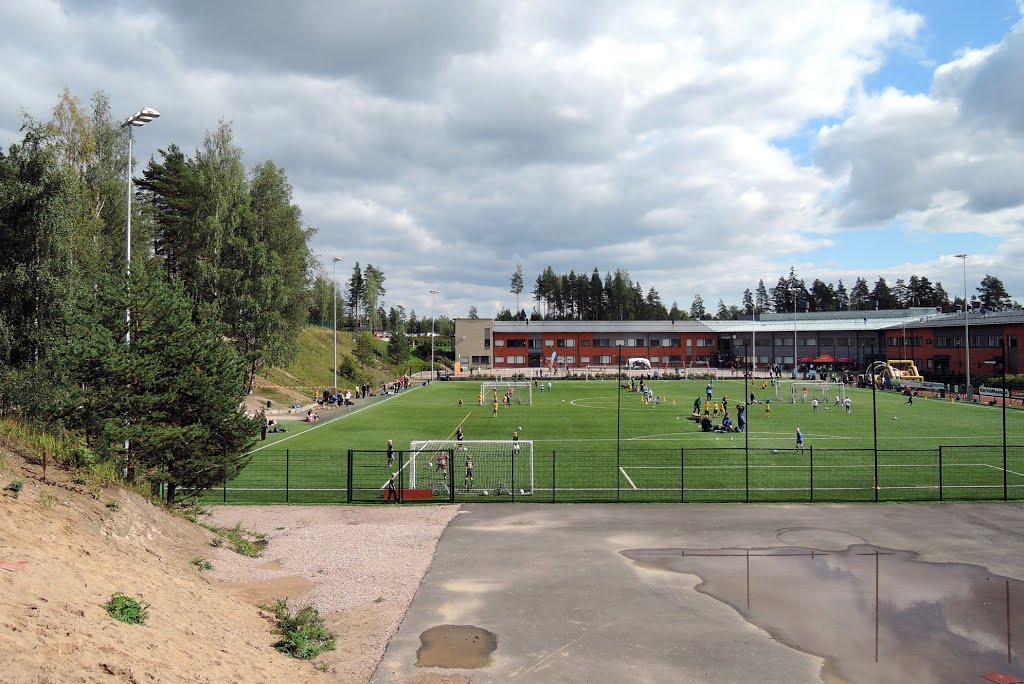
(334, 288)
(794, 291)
(967, 330)
(432, 293)
(136, 120)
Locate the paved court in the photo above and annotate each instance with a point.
(565, 605)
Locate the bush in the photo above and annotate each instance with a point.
(127, 610)
(14, 488)
(48, 501)
(114, 505)
(303, 635)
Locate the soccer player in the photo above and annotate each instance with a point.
(837, 399)
(849, 405)
(725, 404)
(799, 441)
(715, 409)
(442, 464)
(804, 399)
(392, 492)
(391, 454)
(707, 407)
(480, 398)
(469, 473)
(515, 443)
(458, 434)
(768, 408)
(495, 408)
(709, 390)
(814, 404)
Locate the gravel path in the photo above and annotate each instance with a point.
(365, 565)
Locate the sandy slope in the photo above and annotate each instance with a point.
(53, 628)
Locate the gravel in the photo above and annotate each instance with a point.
(354, 556)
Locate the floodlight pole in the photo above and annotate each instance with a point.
(432, 293)
(136, 120)
(334, 292)
(967, 330)
(794, 291)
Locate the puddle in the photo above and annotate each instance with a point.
(873, 614)
(460, 646)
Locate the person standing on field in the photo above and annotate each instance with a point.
(799, 441)
(469, 473)
(391, 454)
(392, 492)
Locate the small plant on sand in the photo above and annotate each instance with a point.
(48, 501)
(323, 666)
(14, 488)
(242, 541)
(114, 505)
(202, 564)
(217, 542)
(303, 635)
(126, 609)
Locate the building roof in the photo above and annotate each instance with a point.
(956, 320)
(539, 327)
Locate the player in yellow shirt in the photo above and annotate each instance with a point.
(495, 408)
(480, 398)
(768, 408)
(715, 409)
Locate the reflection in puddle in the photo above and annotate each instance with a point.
(458, 646)
(874, 615)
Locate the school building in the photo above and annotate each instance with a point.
(841, 339)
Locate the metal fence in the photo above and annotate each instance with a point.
(949, 472)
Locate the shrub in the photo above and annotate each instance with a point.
(14, 488)
(202, 564)
(126, 609)
(114, 505)
(303, 635)
(48, 501)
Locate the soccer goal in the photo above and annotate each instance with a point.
(797, 391)
(499, 466)
(521, 392)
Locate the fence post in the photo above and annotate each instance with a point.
(874, 428)
(287, 475)
(553, 487)
(225, 488)
(512, 484)
(451, 477)
(348, 483)
(812, 472)
(940, 473)
(682, 475)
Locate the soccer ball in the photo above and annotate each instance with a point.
(775, 451)
(826, 408)
(895, 417)
(520, 427)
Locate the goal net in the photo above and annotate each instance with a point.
(499, 466)
(796, 392)
(519, 392)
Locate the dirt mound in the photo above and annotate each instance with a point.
(80, 549)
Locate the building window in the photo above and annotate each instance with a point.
(810, 342)
(549, 343)
(675, 343)
(535, 343)
(499, 359)
(828, 341)
(482, 359)
(706, 342)
(519, 344)
(567, 359)
(604, 359)
(584, 343)
(655, 359)
(566, 343)
(673, 359)
(602, 342)
(499, 343)
(655, 343)
(584, 359)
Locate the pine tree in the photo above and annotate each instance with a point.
(697, 307)
(174, 393)
(762, 302)
(992, 294)
(517, 284)
(842, 297)
(748, 302)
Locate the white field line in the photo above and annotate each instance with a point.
(324, 423)
(628, 478)
(1011, 472)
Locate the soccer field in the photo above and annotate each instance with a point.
(594, 441)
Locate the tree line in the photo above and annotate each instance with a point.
(575, 296)
(157, 354)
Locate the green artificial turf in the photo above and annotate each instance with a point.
(594, 442)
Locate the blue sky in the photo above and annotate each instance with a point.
(699, 146)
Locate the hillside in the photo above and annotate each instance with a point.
(312, 369)
(65, 552)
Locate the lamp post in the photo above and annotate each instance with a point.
(334, 292)
(794, 291)
(136, 120)
(432, 293)
(967, 330)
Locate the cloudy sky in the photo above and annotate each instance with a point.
(700, 145)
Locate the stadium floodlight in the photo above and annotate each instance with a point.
(794, 291)
(136, 120)
(967, 330)
(432, 293)
(334, 288)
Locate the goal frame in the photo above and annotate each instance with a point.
(791, 391)
(486, 390)
(512, 474)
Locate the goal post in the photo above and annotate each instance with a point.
(805, 391)
(499, 466)
(521, 392)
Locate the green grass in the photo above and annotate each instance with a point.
(592, 443)
(304, 634)
(127, 609)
